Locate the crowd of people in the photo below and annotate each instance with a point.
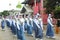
(20, 24)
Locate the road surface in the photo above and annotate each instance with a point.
(7, 35)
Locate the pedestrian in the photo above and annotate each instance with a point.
(50, 30)
(38, 27)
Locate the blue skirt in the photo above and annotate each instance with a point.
(29, 29)
(13, 28)
(3, 24)
(50, 31)
(38, 31)
(20, 34)
(25, 26)
(8, 23)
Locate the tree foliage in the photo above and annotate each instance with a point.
(57, 12)
(53, 5)
(19, 5)
(4, 13)
(50, 5)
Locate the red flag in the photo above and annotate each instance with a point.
(35, 9)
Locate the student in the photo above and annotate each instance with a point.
(25, 23)
(38, 28)
(30, 26)
(8, 22)
(22, 21)
(3, 24)
(20, 29)
(50, 30)
(13, 25)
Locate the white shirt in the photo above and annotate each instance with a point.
(37, 22)
(41, 23)
(31, 21)
(17, 23)
(22, 21)
(49, 20)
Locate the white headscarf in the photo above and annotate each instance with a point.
(37, 15)
(49, 16)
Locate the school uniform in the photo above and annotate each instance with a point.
(3, 24)
(20, 31)
(13, 27)
(25, 24)
(8, 23)
(22, 23)
(38, 29)
(30, 26)
(50, 30)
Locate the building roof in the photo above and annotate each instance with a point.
(23, 10)
(26, 9)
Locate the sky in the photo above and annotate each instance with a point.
(4, 4)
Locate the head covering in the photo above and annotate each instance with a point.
(49, 16)
(37, 15)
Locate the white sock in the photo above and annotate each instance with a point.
(53, 37)
(36, 39)
(32, 34)
(41, 39)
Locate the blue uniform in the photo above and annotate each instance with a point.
(25, 24)
(50, 31)
(29, 26)
(8, 23)
(13, 27)
(20, 31)
(3, 24)
(38, 29)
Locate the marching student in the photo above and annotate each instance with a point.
(41, 26)
(30, 26)
(41, 21)
(13, 25)
(20, 28)
(50, 30)
(25, 23)
(3, 23)
(8, 22)
(37, 24)
(22, 21)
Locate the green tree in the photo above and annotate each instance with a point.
(57, 12)
(0, 13)
(19, 5)
(5, 13)
(50, 4)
